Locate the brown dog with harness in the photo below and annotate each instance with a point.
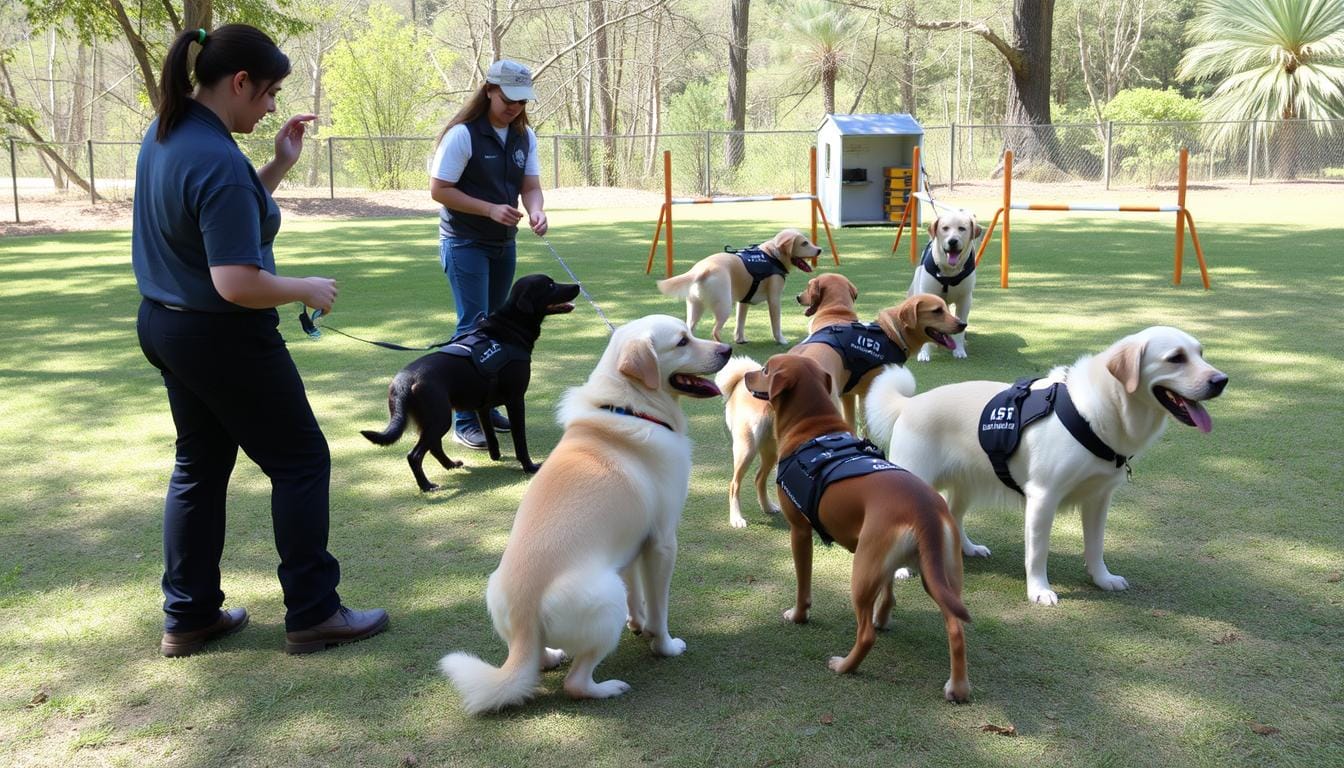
(851, 495)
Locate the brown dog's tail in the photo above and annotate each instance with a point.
(886, 398)
(728, 377)
(939, 546)
(396, 406)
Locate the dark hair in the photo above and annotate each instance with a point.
(477, 105)
(228, 50)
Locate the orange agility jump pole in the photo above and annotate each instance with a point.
(665, 213)
(912, 203)
(1183, 216)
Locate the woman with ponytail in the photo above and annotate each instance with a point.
(203, 227)
(486, 160)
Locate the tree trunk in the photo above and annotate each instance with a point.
(198, 14)
(1029, 86)
(828, 90)
(315, 94)
(606, 110)
(734, 149)
(907, 77)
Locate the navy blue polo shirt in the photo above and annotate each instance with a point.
(198, 203)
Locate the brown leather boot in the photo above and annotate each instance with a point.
(186, 643)
(343, 626)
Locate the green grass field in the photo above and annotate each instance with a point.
(1232, 540)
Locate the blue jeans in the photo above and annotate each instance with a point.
(480, 274)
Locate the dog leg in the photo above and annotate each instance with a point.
(552, 658)
(957, 689)
(579, 683)
(925, 352)
(800, 539)
(866, 582)
(850, 403)
(769, 451)
(773, 303)
(1039, 519)
(518, 422)
(491, 442)
(739, 334)
(745, 448)
(957, 504)
(882, 614)
(634, 598)
(655, 566)
(693, 311)
(963, 314)
(1094, 531)
(416, 458)
(436, 450)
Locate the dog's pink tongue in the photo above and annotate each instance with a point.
(953, 257)
(1199, 415)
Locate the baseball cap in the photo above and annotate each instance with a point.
(514, 79)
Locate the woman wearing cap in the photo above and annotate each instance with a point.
(203, 227)
(486, 160)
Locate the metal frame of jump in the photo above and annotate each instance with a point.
(665, 213)
(1183, 217)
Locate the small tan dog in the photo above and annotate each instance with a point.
(844, 490)
(747, 277)
(914, 321)
(948, 270)
(1124, 395)
(595, 538)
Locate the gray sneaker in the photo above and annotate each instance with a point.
(470, 435)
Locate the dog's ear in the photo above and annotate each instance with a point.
(890, 320)
(785, 242)
(810, 298)
(638, 361)
(1126, 363)
(976, 229)
(933, 229)
(853, 290)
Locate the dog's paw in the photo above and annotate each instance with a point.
(737, 521)
(923, 356)
(957, 694)
(796, 616)
(532, 469)
(959, 353)
(739, 341)
(903, 573)
(781, 340)
(1111, 583)
(1042, 596)
(837, 665)
(604, 690)
(971, 549)
(773, 510)
(672, 646)
(636, 625)
(552, 658)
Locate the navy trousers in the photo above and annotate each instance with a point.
(232, 384)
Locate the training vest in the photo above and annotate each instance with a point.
(488, 355)
(1011, 411)
(494, 173)
(931, 267)
(861, 347)
(760, 265)
(805, 474)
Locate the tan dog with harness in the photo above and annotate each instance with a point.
(886, 516)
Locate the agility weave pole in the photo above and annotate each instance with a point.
(665, 213)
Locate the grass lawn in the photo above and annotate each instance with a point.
(1233, 541)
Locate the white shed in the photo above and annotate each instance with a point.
(864, 173)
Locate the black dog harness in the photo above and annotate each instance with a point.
(804, 474)
(861, 347)
(487, 354)
(931, 267)
(760, 265)
(1016, 408)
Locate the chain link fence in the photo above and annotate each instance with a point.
(1101, 155)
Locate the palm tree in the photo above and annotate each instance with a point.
(824, 31)
(1277, 60)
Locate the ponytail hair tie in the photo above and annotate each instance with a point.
(200, 36)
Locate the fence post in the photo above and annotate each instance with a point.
(1250, 155)
(1106, 159)
(331, 168)
(93, 193)
(952, 163)
(708, 185)
(14, 177)
(555, 161)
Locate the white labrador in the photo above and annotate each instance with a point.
(595, 538)
(952, 239)
(1125, 394)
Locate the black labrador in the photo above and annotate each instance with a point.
(484, 368)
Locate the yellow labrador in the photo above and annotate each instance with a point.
(716, 281)
(914, 321)
(1124, 395)
(948, 270)
(595, 538)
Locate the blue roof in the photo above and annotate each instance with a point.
(868, 125)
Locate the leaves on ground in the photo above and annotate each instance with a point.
(1334, 577)
(1002, 730)
(828, 719)
(1227, 638)
(1264, 730)
(38, 699)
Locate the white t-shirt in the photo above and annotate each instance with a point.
(451, 157)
